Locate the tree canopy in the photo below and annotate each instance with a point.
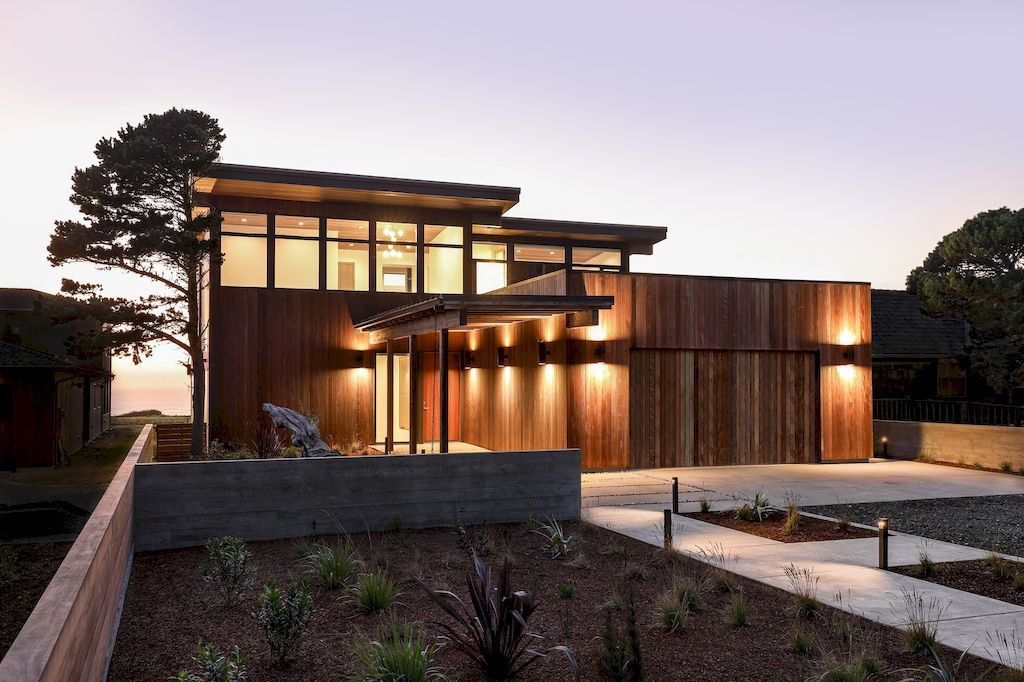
(976, 274)
(139, 215)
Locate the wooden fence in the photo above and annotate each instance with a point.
(70, 632)
(174, 442)
(948, 412)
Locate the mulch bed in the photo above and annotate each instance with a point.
(29, 568)
(169, 608)
(973, 576)
(809, 530)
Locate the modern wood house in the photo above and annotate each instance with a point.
(416, 316)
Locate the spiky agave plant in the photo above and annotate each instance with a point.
(492, 633)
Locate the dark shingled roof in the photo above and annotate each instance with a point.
(899, 328)
(16, 356)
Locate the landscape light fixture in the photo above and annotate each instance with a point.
(502, 356)
(543, 353)
(675, 495)
(885, 446)
(883, 543)
(668, 529)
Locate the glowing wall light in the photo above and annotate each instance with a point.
(502, 356)
(847, 372)
(543, 353)
(468, 358)
(599, 352)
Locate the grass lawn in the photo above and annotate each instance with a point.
(129, 420)
(170, 607)
(95, 464)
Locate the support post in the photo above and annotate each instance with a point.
(668, 529)
(883, 543)
(389, 438)
(442, 351)
(415, 406)
(675, 495)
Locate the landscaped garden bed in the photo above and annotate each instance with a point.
(25, 571)
(692, 620)
(993, 576)
(773, 526)
(994, 522)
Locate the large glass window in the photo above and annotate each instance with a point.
(584, 258)
(348, 261)
(296, 226)
(442, 259)
(539, 253)
(396, 267)
(296, 252)
(244, 245)
(489, 260)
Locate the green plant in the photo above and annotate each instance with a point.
(214, 666)
(804, 585)
(792, 522)
(637, 572)
(557, 541)
(736, 611)
(567, 589)
(919, 618)
(997, 566)
(755, 509)
(334, 566)
(672, 614)
(1008, 649)
(373, 592)
(860, 669)
(284, 615)
(619, 660)
(687, 593)
(400, 653)
(925, 565)
(705, 505)
(230, 565)
(720, 560)
(941, 670)
(801, 642)
(1018, 582)
(1006, 467)
(493, 633)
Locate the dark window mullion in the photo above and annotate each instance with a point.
(271, 250)
(323, 255)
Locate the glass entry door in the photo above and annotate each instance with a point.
(401, 397)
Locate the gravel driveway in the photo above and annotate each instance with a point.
(995, 522)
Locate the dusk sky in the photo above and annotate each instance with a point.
(820, 140)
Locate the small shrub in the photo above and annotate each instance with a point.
(557, 541)
(860, 669)
(493, 632)
(266, 444)
(997, 566)
(919, 618)
(284, 615)
(636, 572)
(672, 614)
(705, 505)
(1018, 582)
(755, 509)
(736, 611)
(230, 565)
(374, 592)
(619, 659)
(687, 594)
(567, 589)
(804, 585)
(925, 565)
(334, 566)
(720, 560)
(792, 513)
(400, 653)
(1008, 649)
(801, 642)
(1006, 467)
(214, 666)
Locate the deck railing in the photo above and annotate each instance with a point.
(948, 412)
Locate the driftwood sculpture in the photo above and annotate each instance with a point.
(305, 434)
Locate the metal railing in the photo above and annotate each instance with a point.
(948, 412)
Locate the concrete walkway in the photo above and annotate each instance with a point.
(845, 570)
(875, 481)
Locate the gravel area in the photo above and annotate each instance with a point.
(995, 522)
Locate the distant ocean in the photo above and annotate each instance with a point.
(167, 400)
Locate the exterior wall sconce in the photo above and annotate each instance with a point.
(502, 356)
(359, 359)
(599, 352)
(468, 358)
(847, 355)
(883, 543)
(543, 353)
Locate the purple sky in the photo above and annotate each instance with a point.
(781, 139)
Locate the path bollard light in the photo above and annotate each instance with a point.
(668, 529)
(883, 543)
(675, 495)
(885, 446)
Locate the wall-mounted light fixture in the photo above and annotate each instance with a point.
(599, 352)
(359, 359)
(502, 356)
(847, 372)
(847, 355)
(543, 353)
(468, 358)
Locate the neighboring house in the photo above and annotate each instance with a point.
(914, 355)
(50, 404)
(415, 315)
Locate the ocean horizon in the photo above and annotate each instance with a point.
(170, 401)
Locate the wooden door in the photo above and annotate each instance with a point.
(710, 408)
(431, 386)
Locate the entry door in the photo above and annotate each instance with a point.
(400, 399)
(705, 408)
(431, 396)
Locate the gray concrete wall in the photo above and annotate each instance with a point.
(70, 632)
(987, 446)
(181, 504)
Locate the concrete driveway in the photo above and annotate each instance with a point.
(874, 481)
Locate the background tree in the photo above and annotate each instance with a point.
(977, 275)
(139, 216)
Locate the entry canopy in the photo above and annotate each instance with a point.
(467, 312)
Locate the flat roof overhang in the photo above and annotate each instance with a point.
(468, 312)
(301, 185)
(640, 238)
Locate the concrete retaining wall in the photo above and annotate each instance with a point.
(181, 504)
(70, 633)
(986, 446)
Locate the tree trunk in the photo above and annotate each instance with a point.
(198, 404)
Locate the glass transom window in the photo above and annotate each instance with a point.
(539, 253)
